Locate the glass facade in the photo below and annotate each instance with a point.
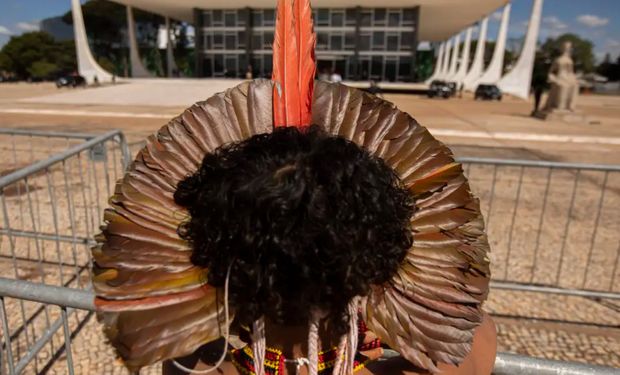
(358, 43)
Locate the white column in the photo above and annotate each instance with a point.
(475, 71)
(438, 63)
(494, 71)
(137, 69)
(170, 63)
(87, 65)
(446, 59)
(462, 70)
(518, 81)
(455, 58)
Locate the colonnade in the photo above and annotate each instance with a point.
(454, 67)
(88, 66)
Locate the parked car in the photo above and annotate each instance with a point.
(439, 89)
(488, 92)
(452, 86)
(71, 81)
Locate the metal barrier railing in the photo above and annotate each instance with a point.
(66, 299)
(53, 190)
(552, 227)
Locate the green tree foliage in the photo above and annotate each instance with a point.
(608, 68)
(583, 57)
(5, 62)
(42, 69)
(37, 54)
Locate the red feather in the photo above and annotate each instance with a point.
(294, 64)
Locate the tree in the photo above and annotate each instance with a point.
(609, 69)
(583, 57)
(37, 54)
(5, 62)
(42, 69)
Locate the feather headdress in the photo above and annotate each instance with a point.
(156, 305)
(294, 64)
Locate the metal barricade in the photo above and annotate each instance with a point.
(53, 189)
(553, 227)
(67, 299)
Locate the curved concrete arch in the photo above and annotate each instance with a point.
(477, 65)
(518, 81)
(171, 65)
(462, 70)
(494, 71)
(87, 65)
(137, 68)
(455, 57)
(438, 63)
(446, 60)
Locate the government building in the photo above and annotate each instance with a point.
(361, 40)
(357, 43)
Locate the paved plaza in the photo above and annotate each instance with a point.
(556, 327)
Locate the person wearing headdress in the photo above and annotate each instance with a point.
(295, 226)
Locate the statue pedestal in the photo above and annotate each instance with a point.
(562, 115)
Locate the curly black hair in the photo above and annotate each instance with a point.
(308, 221)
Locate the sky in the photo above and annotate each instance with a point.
(596, 20)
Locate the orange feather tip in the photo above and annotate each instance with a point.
(294, 64)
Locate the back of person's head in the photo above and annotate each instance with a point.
(307, 220)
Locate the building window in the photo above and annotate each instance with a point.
(206, 19)
(392, 42)
(382, 50)
(378, 40)
(379, 17)
(230, 41)
(218, 18)
(268, 40)
(337, 18)
(366, 18)
(257, 18)
(269, 17)
(230, 19)
(322, 40)
(394, 18)
(349, 41)
(336, 42)
(218, 41)
(323, 17)
(376, 69)
(351, 16)
(408, 17)
(406, 40)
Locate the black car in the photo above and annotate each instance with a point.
(71, 81)
(488, 92)
(452, 86)
(439, 89)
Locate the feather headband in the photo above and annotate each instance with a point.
(294, 64)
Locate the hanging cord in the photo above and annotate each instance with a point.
(338, 365)
(259, 345)
(299, 363)
(353, 338)
(313, 346)
(347, 347)
(226, 334)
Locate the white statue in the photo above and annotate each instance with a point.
(564, 82)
